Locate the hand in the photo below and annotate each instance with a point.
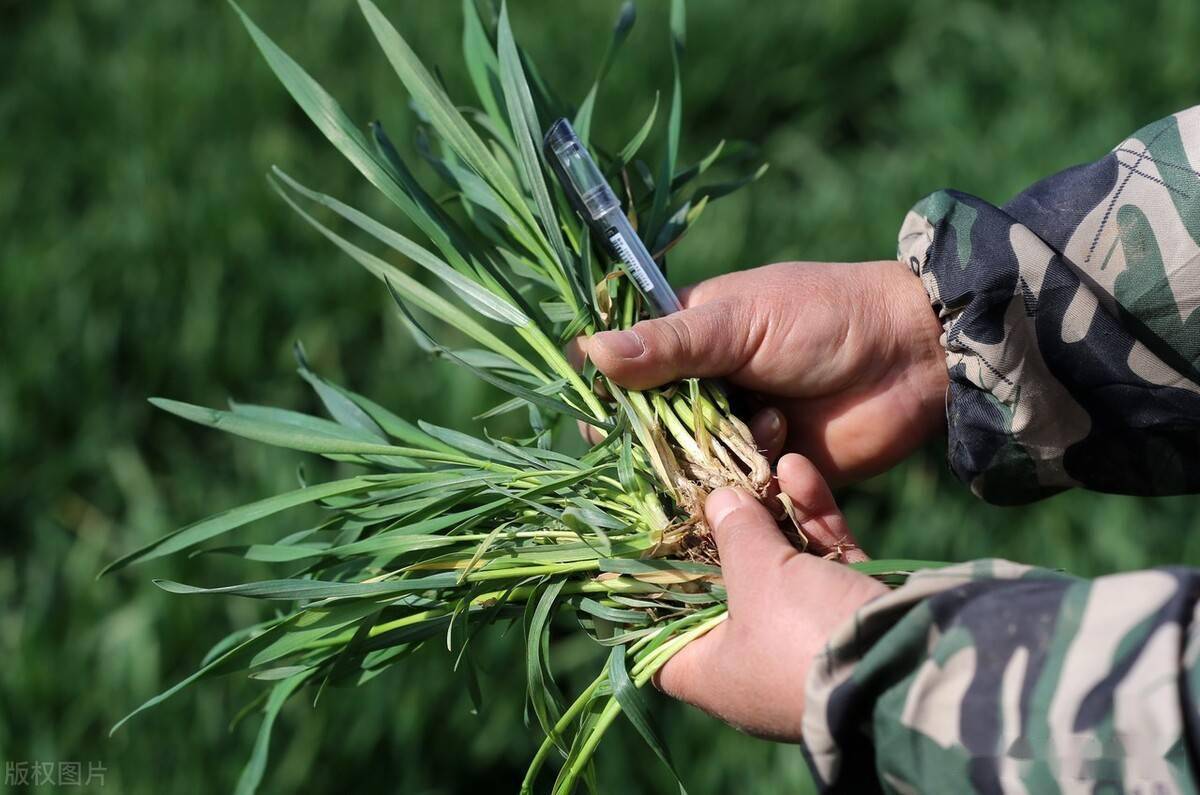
(846, 357)
(752, 669)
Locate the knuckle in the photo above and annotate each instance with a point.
(676, 335)
(705, 291)
(734, 286)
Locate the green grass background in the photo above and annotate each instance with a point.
(141, 254)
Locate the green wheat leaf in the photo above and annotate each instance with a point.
(442, 113)
(625, 19)
(630, 150)
(252, 773)
(234, 518)
(634, 706)
(479, 298)
(523, 119)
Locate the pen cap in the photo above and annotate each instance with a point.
(563, 146)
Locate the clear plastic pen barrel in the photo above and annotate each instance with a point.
(595, 200)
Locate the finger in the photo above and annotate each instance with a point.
(686, 294)
(590, 433)
(576, 353)
(772, 501)
(688, 676)
(769, 428)
(576, 349)
(712, 339)
(818, 513)
(712, 289)
(750, 544)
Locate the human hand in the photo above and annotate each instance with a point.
(751, 670)
(846, 357)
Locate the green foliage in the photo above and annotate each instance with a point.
(144, 256)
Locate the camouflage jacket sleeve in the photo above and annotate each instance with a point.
(991, 677)
(1069, 329)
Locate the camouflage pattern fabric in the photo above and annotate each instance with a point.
(1072, 344)
(1069, 324)
(992, 677)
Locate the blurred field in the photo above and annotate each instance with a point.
(142, 254)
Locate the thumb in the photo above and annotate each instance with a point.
(689, 674)
(703, 341)
(752, 548)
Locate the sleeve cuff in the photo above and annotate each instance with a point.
(884, 644)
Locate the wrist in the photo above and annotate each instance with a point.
(917, 332)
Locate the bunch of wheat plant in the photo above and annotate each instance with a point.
(439, 535)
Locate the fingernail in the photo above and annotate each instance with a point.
(774, 420)
(768, 424)
(625, 344)
(723, 502)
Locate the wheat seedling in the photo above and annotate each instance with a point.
(440, 535)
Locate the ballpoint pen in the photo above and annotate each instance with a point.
(595, 201)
